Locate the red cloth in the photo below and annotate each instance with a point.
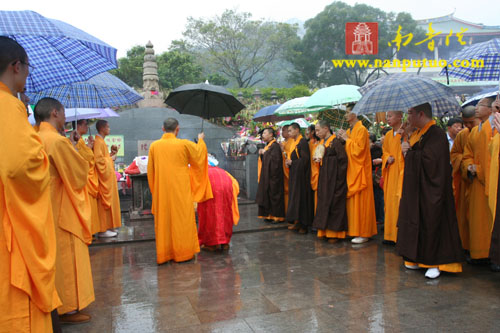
(132, 169)
(215, 216)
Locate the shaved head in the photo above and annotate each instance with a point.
(469, 111)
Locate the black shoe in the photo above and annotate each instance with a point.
(495, 268)
(388, 242)
(482, 261)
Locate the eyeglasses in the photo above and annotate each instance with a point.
(486, 106)
(31, 68)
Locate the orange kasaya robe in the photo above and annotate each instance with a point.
(451, 267)
(360, 202)
(494, 150)
(71, 209)
(393, 183)
(289, 146)
(108, 201)
(461, 184)
(480, 218)
(27, 236)
(314, 172)
(92, 185)
(177, 176)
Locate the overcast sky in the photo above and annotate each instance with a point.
(126, 23)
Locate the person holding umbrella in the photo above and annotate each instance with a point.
(428, 234)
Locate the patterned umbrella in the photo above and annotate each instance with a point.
(402, 93)
(102, 91)
(488, 51)
(58, 52)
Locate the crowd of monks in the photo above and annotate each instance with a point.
(440, 189)
(55, 194)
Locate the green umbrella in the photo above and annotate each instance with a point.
(331, 97)
(300, 121)
(293, 106)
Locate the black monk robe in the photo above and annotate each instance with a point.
(427, 224)
(331, 211)
(300, 195)
(271, 190)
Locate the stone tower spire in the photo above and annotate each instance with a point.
(153, 97)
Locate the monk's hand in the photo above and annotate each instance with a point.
(201, 136)
(288, 163)
(74, 137)
(342, 134)
(472, 169)
(90, 142)
(261, 151)
(496, 105)
(496, 121)
(390, 160)
(405, 146)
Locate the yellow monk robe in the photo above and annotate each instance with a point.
(314, 172)
(393, 183)
(27, 235)
(461, 185)
(480, 218)
(108, 201)
(289, 146)
(92, 184)
(451, 267)
(71, 209)
(174, 187)
(360, 202)
(494, 150)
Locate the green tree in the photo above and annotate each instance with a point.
(130, 67)
(325, 40)
(238, 47)
(176, 68)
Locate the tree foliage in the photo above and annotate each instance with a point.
(130, 67)
(324, 40)
(238, 47)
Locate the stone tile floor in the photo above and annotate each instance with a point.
(280, 281)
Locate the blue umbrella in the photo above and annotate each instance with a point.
(492, 92)
(266, 113)
(402, 93)
(102, 91)
(59, 53)
(489, 52)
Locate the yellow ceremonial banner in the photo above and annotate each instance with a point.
(110, 140)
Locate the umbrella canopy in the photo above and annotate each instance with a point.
(293, 106)
(330, 97)
(402, 93)
(301, 121)
(204, 100)
(101, 91)
(74, 114)
(476, 98)
(488, 51)
(370, 85)
(58, 52)
(266, 112)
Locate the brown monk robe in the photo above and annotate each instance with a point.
(427, 225)
(27, 235)
(300, 204)
(331, 213)
(493, 191)
(71, 209)
(477, 162)
(271, 191)
(86, 150)
(461, 183)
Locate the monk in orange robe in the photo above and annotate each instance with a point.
(428, 234)
(286, 146)
(27, 234)
(178, 177)
(360, 203)
(461, 183)
(313, 143)
(493, 189)
(477, 162)
(86, 150)
(392, 172)
(108, 201)
(71, 209)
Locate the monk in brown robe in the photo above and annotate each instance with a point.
(493, 194)
(271, 192)
(71, 209)
(360, 201)
(331, 213)
(477, 162)
(300, 205)
(27, 234)
(461, 182)
(428, 234)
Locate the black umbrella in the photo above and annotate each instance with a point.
(204, 100)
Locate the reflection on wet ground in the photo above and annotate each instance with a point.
(279, 281)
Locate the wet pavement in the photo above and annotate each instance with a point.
(280, 281)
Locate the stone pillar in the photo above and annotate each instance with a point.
(153, 97)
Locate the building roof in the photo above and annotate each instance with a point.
(450, 22)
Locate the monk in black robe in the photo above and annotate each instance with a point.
(428, 234)
(300, 196)
(331, 212)
(271, 190)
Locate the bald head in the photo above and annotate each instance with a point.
(394, 118)
(170, 125)
(469, 117)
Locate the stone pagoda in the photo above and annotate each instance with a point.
(153, 97)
